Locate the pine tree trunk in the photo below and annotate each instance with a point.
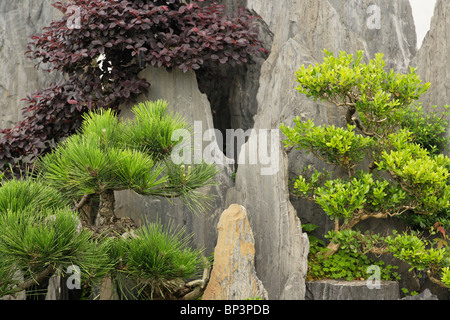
(107, 224)
(106, 208)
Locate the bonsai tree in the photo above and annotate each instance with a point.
(41, 233)
(109, 155)
(155, 264)
(391, 166)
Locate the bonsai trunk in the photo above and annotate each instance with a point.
(332, 249)
(106, 208)
(107, 224)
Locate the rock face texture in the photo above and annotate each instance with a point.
(384, 26)
(20, 19)
(259, 96)
(433, 58)
(354, 290)
(301, 30)
(425, 295)
(233, 276)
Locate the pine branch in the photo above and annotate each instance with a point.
(82, 202)
(35, 280)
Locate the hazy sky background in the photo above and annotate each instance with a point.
(423, 12)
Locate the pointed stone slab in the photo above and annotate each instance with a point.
(233, 275)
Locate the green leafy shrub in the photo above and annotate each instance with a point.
(350, 262)
(446, 276)
(388, 150)
(428, 129)
(344, 265)
(331, 144)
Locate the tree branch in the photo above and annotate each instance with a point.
(436, 281)
(82, 202)
(199, 285)
(358, 124)
(363, 215)
(36, 280)
(349, 116)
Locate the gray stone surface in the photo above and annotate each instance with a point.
(292, 287)
(281, 247)
(433, 58)
(19, 20)
(425, 295)
(396, 36)
(350, 290)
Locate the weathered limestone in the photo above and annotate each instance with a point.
(19, 20)
(433, 58)
(233, 275)
(394, 35)
(351, 290)
(281, 247)
(291, 289)
(425, 295)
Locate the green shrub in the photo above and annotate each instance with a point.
(389, 150)
(110, 155)
(345, 265)
(18, 195)
(428, 129)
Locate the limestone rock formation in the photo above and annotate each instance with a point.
(433, 58)
(301, 30)
(19, 20)
(233, 276)
(259, 96)
(393, 33)
(351, 290)
(425, 295)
